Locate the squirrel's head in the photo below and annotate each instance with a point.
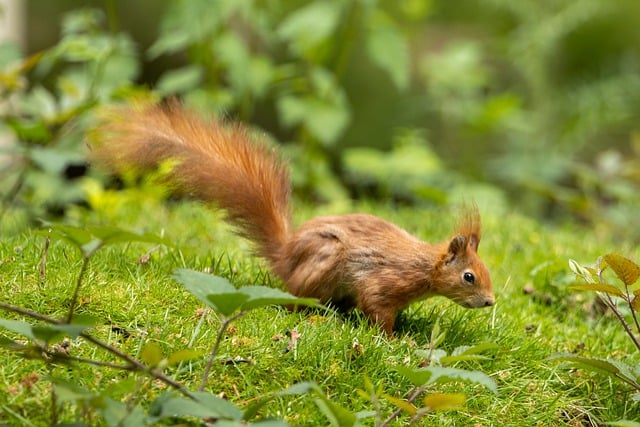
(462, 275)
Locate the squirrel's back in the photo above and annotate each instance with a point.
(211, 161)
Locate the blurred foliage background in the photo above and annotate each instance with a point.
(530, 105)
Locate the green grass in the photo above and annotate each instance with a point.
(144, 301)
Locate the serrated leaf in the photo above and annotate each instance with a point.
(444, 401)
(626, 270)
(408, 407)
(227, 303)
(598, 287)
(151, 354)
(433, 374)
(214, 291)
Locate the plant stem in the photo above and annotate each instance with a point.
(625, 325)
(416, 392)
(225, 324)
(633, 311)
(43, 260)
(76, 291)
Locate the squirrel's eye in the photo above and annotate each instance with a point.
(469, 277)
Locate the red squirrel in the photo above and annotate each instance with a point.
(354, 260)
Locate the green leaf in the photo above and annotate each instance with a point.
(89, 239)
(67, 391)
(624, 423)
(310, 25)
(610, 367)
(202, 283)
(204, 405)
(444, 401)
(433, 374)
(626, 270)
(465, 353)
(119, 414)
(336, 414)
(475, 349)
(49, 333)
(180, 80)
(225, 299)
(295, 390)
(216, 292)
(151, 354)
(598, 287)
(19, 327)
(75, 235)
(388, 49)
(326, 120)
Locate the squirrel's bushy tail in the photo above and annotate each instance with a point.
(215, 163)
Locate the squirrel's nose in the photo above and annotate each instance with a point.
(489, 302)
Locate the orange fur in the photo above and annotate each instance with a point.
(354, 260)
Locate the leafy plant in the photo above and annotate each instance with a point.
(48, 95)
(46, 340)
(437, 371)
(623, 300)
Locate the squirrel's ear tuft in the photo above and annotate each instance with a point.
(457, 247)
(474, 242)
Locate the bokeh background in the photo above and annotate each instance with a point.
(528, 105)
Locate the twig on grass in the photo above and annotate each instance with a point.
(133, 364)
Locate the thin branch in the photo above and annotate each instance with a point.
(214, 350)
(134, 363)
(609, 301)
(416, 393)
(633, 311)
